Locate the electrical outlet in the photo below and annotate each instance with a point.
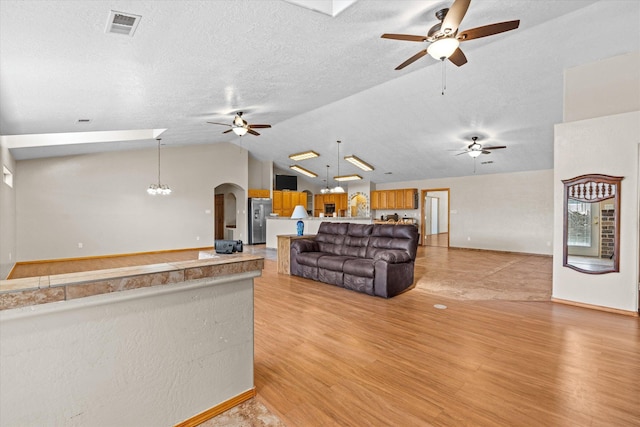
(197, 237)
(468, 238)
(80, 245)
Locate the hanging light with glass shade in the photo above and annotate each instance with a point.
(162, 189)
(326, 190)
(338, 188)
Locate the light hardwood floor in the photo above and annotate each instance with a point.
(326, 356)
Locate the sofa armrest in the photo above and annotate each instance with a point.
(304, 245)
(392, 256)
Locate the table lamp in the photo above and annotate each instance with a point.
(299, 212)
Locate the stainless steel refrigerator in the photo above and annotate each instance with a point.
(259, 210)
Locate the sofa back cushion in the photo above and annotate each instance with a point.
(357, 240)
(391, 236)
(331, 236)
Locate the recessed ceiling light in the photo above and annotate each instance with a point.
(303, 171)
(359, 163)
(353, 177)
(304, 156)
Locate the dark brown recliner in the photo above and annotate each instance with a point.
(377, 259)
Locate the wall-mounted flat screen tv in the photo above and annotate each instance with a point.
(287, 182)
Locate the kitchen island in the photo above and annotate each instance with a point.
(282, 225)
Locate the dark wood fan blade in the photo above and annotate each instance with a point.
(227, 131)
(259, 126)
(405, 37)
(497, 147)
(253, 132)
(488, 30)
(458, 58)
(486, 152)
(454, 16)
(464, 152)
(412, 59)
(223, 124)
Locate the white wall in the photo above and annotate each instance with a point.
(100, 200)
(505, 212)
(8, 243)
(145, 357)
(603, 88)
(602, 100)
(260, 173)
(606, 145)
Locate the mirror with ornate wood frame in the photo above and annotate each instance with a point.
(591, 231)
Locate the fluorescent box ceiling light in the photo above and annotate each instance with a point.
(359, 163)
(353, 177)
(303, 171)
(304, 156)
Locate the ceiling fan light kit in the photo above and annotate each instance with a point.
(443, 48)
(240, 127)
(240, 131)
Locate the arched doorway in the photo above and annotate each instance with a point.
(227, 223)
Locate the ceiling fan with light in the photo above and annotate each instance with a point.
(475, 148)
(240, 127)
(444, 38)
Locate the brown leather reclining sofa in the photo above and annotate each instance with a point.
(376, 259)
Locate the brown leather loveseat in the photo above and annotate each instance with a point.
(377, 259)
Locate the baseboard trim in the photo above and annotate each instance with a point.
(458, 248)
(595, 307)
(218, 409)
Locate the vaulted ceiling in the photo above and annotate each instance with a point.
(315, 78)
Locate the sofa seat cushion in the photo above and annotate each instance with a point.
(309, 258)
(333, 262)
(362, 267)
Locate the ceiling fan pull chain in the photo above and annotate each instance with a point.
(444, 76)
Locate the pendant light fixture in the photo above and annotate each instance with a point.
(326, 190)
(337, 188)
(158, 188)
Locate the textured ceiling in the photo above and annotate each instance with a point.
(315, 78)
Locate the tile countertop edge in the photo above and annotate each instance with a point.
(30, 291)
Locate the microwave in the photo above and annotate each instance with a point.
(329, 208)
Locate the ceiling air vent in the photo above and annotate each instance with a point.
(122, 23)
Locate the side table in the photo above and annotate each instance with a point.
(284, 254)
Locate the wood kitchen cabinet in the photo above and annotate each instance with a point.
(254, 193)
(404, 198)
(285, 201)
(339, 200)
